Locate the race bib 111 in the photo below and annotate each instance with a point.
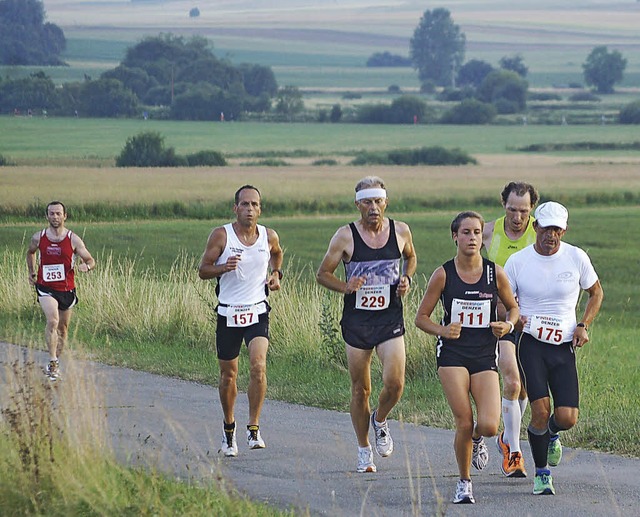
(471, 313)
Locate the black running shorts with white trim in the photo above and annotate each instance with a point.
(548, 369)
(367, 337)
(229, 339)
(474, 359)
(66, 299)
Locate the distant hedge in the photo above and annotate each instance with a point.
(435, 155)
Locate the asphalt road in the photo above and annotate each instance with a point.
(310, 459)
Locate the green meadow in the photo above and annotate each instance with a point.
(96, 142)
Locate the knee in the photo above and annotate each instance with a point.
(487, 428)
(258, 371)
(360, 392)
(540, 418)
(566, 421)
(511, 386)
(395, 387)
(227, 378)
(53, 325)
(464, 425)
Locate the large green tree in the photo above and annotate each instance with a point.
(25, 38)
(437, 48)
(603, 69)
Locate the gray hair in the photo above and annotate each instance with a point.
(369, 182)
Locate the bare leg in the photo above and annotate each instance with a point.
(456, 384)
(50, 308)
(228, 388)
(360, 371)
(392, 357)
(258, 377)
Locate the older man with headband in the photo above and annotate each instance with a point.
(379, 261)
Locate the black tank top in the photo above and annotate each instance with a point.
(475, 315)
(379, 266)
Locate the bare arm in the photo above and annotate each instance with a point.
(275, 261)
(428, 304)
(487, 235)
(215, 247)
(501, 328)
(340, 248)
(410, 260)
(31, 258)
(596, 295)
(88, 262)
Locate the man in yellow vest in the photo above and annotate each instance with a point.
(501, 238)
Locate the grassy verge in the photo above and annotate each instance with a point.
(55, 459)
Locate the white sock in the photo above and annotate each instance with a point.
(368, 448)
(511, 416)
(523, 405)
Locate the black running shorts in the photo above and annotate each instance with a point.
(474, 359)
(66, 299)
(229, 339)
(369, 337)
(546, 368)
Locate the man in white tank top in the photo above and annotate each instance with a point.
(246, 258)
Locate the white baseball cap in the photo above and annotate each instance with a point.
(552, 214)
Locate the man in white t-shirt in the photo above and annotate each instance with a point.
(246, 258)
(548, 277)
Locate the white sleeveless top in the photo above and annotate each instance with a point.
(246, 284)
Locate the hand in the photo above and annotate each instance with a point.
(580, 337)
(500, 328)
(232, 263)
(452, 330)
(274, 281)
(522, 321)
(355, 283)
(403, 286)
(32, 279)
(84, 267)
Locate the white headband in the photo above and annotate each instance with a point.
(371, 193)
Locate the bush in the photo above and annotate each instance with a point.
(394, 88)
(584, 97)
(455, 95)
(206, 158)
(3, 161)
(435, 155)
(336, 113)
(469, 111)
(145, 149)
(630, 114)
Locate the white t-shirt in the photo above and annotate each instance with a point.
(550, 286)
(246, 284)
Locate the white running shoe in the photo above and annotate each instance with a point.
(384, 442)
(52, 370)
(365, 460)
(229, 446)
(480, 456)
(464, 492)
(254, 440)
